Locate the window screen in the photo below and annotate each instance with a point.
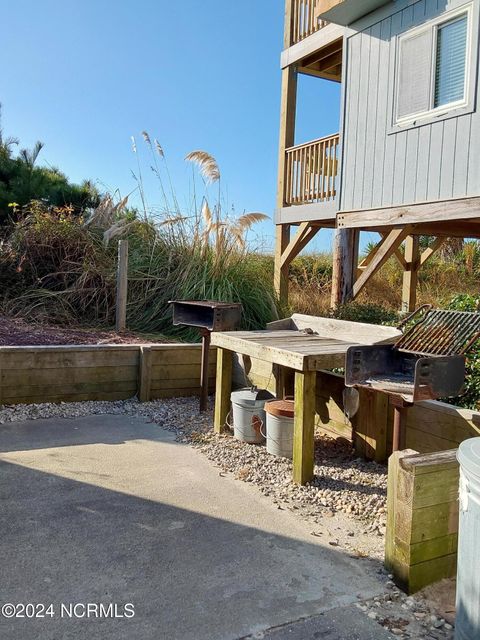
(415, 69)
(451, 62)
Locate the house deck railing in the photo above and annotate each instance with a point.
(311, 171)
(305, 19)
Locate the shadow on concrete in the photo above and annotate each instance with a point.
(191, 575)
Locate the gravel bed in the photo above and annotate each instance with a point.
(346, 491)
(342, 481)
(408, 617)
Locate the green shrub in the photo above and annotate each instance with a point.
(471, 398)
(465, 302)
(369, 313)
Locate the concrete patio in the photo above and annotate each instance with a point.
(110, 509)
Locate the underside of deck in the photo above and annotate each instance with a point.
(459, 217)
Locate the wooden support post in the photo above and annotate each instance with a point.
(288, 30)
(422, 518)
(204, 371)
(304, 426)
(371, 424)
(280, 276)
(410, 275)
(145, 374)
(284, 381)
(223, 388)
(345, 258)
(122, 286)
(287, 139)
(400, 408)
(279, 375)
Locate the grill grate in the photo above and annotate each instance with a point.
(441, 333)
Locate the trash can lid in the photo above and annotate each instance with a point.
(250, 397)
(468, 455)
(281, 408)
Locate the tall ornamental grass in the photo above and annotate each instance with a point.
(55, 266)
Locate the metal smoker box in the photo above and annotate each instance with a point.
(207, 314)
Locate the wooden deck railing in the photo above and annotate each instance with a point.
(311, 171)
(305, 19)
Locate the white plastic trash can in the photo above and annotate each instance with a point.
(249, 414)
(280, 420)
(467, 625)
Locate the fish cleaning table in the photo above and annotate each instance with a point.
(306, 344)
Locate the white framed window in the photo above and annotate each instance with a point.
(432, 68)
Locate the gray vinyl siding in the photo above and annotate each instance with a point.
(383, 166)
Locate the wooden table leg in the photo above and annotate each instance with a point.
(303, 439)
(223, 389)
(279, 375)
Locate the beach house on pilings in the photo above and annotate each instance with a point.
(406, 161)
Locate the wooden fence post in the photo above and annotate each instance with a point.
(145, 374)
(422, 518)
(122, 286)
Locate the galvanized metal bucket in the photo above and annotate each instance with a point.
(249, 414)
(280, 421)
(467, 624)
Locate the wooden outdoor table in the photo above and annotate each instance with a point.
(294, 348)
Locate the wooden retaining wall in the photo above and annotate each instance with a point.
(100, 372)
(431, 425)
(422, 518)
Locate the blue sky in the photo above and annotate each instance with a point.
(84, 76)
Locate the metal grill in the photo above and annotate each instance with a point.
(426, 363)
(441, 333)
(207, 316)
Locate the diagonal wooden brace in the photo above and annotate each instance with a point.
(386, 248)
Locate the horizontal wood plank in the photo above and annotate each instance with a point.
(26, 378)
(107, 396)
(190, 354)
(442, 211)
(413, 554)
(68, 389)
(180, 371)
(66, 359)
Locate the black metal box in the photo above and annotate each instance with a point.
(207, 314)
